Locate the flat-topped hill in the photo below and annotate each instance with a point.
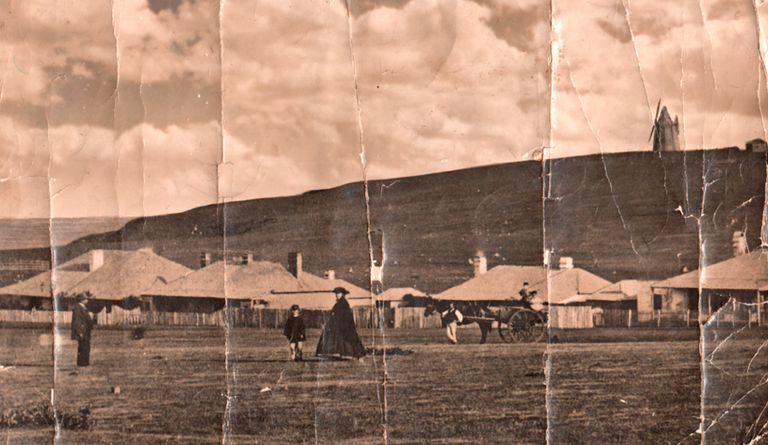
(625, 215)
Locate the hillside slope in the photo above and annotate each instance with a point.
(626, 215)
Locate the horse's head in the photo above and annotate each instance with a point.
(430, 307)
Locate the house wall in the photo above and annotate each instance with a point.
(570, 317)
(676, 301)
(644, 298)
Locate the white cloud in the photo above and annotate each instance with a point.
(441, 91)
(705, 72)
(24, 197)
(24, 152)
(154, 47)
(250, 173)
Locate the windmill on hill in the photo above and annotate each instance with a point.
(665, 132)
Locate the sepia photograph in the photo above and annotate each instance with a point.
(383, 222)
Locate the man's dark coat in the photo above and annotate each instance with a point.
(82, 324)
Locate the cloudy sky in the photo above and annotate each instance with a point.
(145, 107)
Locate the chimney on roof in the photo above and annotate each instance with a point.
(566, 262)
(205, 259)
(480, 264)
(294, 264)
(739, 244)
(96, 261)
(247, 259)
(329, 275)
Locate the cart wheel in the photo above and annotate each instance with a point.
(525, 326)
(504, 330)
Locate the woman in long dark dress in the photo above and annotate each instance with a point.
(339, 335)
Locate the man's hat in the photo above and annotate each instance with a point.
(81, 297)
(341, 290)
(525, 284)
(295, 307)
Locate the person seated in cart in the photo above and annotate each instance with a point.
(451, 318)
(525, 295)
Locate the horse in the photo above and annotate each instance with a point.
(467, 310)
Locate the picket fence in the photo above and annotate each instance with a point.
(240, 317)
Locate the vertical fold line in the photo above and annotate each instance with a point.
(221, 215)
(546, 186)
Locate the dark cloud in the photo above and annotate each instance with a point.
(727, 10)
(184, 48)
(532, 104)
(86, 93)
(655, 26)
(81, 92)
(26, 113)
(360, 7)
(179, 101)
(619, 31)
(515, 25)
(157, 6)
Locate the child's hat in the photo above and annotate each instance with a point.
(295, 307)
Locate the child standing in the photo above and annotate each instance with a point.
(295, 332)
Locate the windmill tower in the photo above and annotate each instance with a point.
(665, 132)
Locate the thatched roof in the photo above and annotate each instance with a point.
(397, 294)
(744, 272)
(257, 281)
(622, 291)
(125, 274)
(229, 281)
(499, 283)
(357, 295)
(626, 290)
(40, 285)
(505, 283)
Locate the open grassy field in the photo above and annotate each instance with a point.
(177, 386)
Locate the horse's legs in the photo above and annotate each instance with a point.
(484, 328)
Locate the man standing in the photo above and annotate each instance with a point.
(451, 318)
(82, 324)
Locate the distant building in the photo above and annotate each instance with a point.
(618, 304)
(249, 283)
(397, 296)
(757, 145)
(505, 282)
(738, 283)
(666, 132)
(110, 277)
(211, 288)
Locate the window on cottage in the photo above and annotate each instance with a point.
(656, 302)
